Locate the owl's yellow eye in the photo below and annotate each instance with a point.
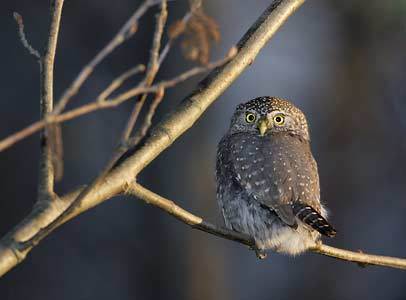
(249, 117)
(279, 120)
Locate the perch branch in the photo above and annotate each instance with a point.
(196, 222)
(162, 136)
(186, 217)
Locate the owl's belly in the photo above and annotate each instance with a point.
(245, 215)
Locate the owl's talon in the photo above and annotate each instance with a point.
(261, 254)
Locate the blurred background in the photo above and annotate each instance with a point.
(342, 62)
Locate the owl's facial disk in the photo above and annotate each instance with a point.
(264, 116)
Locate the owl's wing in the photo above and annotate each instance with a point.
(277, 171)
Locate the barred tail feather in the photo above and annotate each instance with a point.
(311, 217)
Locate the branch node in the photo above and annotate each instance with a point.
(14, 248)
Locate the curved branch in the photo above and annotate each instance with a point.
(363, 259)
(196, 222)
(163, 135)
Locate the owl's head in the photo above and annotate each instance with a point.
(267, 115)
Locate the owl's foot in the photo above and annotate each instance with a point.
(261, 254)
(259, 251)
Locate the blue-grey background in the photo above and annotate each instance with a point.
(343, 62)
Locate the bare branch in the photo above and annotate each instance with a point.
(172, 127)
(152, 70)
(198, 223)
(116, 83)
(172, 36)
(148, 118)
(186, 217)
(360, 258)
(98, 104)
(46, 167)
(171, 82)
(125, 32)
(23, 38)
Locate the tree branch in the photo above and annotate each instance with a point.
(117, 82)
(147, 123)
(163, 135)
(125, 32)
(103, 103)
(186, 217)
(152, 70)
(196, 222)
(46, 164)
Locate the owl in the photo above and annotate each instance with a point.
(267, 178)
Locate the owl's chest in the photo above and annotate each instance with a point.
(271, 168)
(258, 159)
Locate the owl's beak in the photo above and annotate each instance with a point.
(262, 126)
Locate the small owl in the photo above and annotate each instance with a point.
(267, 179)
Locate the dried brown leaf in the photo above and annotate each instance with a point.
(199, 32)
(176, 29)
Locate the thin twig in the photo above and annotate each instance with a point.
(169, 44)
(116, 83)
(152, 70)
(164, 134)
(125, 32)
(46, 167)
(148, 119)
(196, 222)
(363, 259)
(174, 81)
(109, 103)
(23, 38)
(140, 103)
